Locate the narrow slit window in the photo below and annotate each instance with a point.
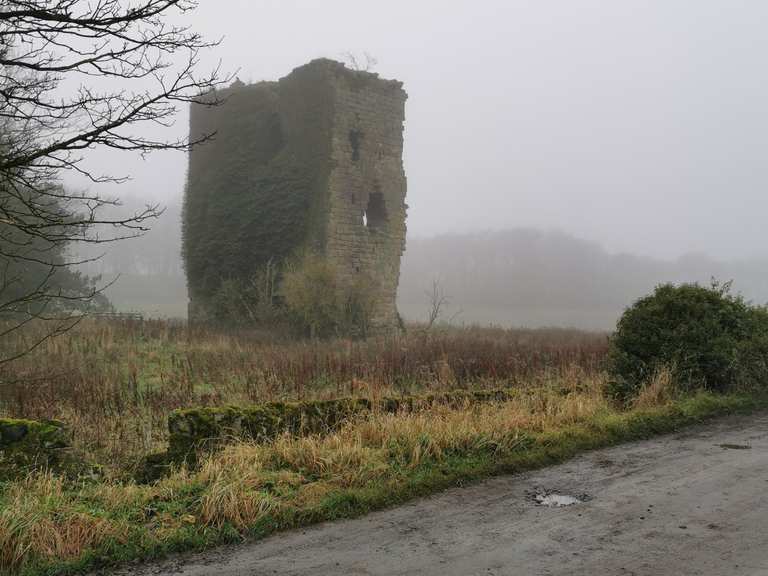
(355, 138)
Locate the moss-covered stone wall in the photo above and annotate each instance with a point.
(29, 444)
(194, 431)
(313, 161)
(193, 428)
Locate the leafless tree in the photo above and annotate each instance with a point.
(76, 75)
(437, 301)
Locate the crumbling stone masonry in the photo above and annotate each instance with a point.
(311, 161)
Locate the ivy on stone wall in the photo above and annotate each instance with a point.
(248, 197)
(277, 179)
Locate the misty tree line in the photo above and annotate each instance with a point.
(515, 277)
(532, 277)
(78, 75)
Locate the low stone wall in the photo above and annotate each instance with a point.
(195, 430)
(29, 445)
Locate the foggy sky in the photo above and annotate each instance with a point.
(641, 125)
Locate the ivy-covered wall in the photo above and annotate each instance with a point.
(293, 165)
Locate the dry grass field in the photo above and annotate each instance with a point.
(114, 384)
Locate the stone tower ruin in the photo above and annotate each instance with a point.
(310, 162)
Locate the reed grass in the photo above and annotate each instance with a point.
(247, 489)
(114, 382)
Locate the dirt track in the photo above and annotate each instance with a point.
(690, 503)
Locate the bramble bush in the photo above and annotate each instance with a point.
(708, 338)
(319, 305)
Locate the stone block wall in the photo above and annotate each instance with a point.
(367, 186)
(193, 428)
(313, 161)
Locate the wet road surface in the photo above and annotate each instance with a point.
(695, 502)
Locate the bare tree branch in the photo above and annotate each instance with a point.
(133, 69)
(437, 301)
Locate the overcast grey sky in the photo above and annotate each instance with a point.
(638, 124)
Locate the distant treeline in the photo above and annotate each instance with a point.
(527, 277)
(520, 277)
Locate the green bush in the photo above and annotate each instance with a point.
(309, 289)
(709, 339)
(752, 367)
(320, 305)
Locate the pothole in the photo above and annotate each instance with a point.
(735, 446)
(558, 500)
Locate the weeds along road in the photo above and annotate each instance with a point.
(691, 503)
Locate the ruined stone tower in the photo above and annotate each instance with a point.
(312, 161)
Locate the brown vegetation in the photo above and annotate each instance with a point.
(116, 382)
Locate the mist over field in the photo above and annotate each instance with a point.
(518, 277)
(562, 158)
(534, 278)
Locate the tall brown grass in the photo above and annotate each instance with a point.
(36, 518)
(114, 382)
(659, 389)
(41, 518)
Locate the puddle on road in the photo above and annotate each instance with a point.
(557, 500)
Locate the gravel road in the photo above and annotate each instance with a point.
(689, 503)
